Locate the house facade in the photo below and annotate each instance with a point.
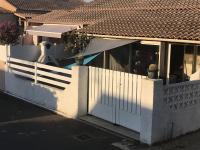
(6, 16)
(126, 38)
(24, 10)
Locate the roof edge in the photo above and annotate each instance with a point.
(8, 6)
(147, 39)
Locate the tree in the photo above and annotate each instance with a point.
(9, 32)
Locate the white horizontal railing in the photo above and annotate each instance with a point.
(40, 73)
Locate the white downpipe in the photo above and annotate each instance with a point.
(169, 62)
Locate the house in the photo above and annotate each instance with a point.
(6, 15)
(146, 22)
(23, 10)
(127, 37)
(26, 9)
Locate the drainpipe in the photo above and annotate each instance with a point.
(194, 59)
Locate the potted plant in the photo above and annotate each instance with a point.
(76, 42)
(79, 60)
(153, 71)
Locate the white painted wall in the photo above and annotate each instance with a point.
(3, 52)
(182, 103)
(169, 111)
(3, 58)
(59, 51)
(71, 102)
(25, 52)
(8, 17)
(34, 53)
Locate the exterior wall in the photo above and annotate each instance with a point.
(47, 97)
(25, 52)
(70, 102)
(3, 53)
(169, 111)
(8, 17)
(59, 51)
(182, 102)
(7, 6)
(3, 58)
(27, 40)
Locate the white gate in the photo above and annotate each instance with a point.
(115, 96)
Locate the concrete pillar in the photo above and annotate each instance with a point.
(3, 65)
(77, 102)
(151, 98)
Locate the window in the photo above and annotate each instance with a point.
(143, 56)
(188, 60)
(198, 59)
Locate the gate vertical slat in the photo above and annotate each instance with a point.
(122, 91)
(126, 86)
(92, 100)
(103, 87)
(100, 85)
(134, 100)
(118, 88)
(107, 99)
(96, 85)
(90, 90)
(139, 90)
(110, 90)
(130, 92)
(114, 97)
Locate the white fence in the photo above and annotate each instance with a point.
(182, 102)
(115, 96)
(170, 110)
(43, 85)
(159, 112)
(182, 95)
(40, 73)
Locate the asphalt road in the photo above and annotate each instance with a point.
(26, 127)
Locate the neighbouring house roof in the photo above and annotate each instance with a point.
(28, 14)
(30, 8)
(167, 19)
(54, 31)
(44, 5)
(3, 11)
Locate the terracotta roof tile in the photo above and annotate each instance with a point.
(44, 5)
(172, 19)
(3, 11)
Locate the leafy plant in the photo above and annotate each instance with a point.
(76, 42)
(9, 32)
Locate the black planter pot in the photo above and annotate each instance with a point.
(152, 74)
